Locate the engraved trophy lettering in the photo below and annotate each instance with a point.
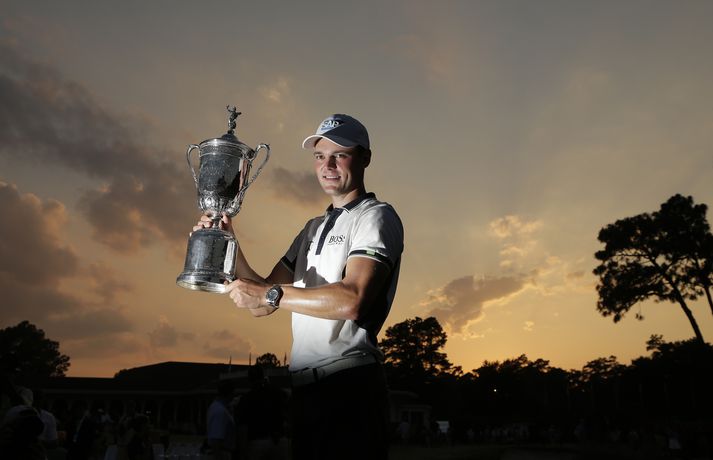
(222, 180)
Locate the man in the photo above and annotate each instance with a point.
(19, 429)
(49, 436)
(220, 425)
(338, 278)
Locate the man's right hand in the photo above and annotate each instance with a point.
(226, 223)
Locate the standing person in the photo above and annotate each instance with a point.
(139, 446)
(85, 438)
(19, 429)
(221, 430)
(49, 436)
(338, 278)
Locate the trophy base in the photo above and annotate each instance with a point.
(207, 282)
(210, 261)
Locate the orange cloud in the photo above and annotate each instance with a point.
(462, 300)
(166, 335)
(224, 344)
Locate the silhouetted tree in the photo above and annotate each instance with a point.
(602, 369)
(665, 255)
(688, 234)
(267, 360)
(29, 356)
(519, 387)
(687, 353)
(677, 377)
(413, 348)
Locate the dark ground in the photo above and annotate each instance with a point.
(533, 452)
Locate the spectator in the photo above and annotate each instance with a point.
(18, 434)
(221, 431)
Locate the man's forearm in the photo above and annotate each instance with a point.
(329, 301)
(347, 299)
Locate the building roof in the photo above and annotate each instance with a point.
(166, 376)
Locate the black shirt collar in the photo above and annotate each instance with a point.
(353, 204)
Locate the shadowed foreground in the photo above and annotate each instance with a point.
(530, 452)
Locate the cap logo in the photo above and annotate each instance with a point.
(329, 124)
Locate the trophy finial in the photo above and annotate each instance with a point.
(233, 114)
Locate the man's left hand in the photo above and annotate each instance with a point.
(249, 294)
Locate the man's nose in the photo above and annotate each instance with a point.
(331, 161)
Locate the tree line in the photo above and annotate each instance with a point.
(673, 382)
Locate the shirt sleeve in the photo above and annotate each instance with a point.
(378, 234)
(289, 260)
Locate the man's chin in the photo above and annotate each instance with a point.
(329, 189)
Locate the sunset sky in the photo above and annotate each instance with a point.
(505, 133)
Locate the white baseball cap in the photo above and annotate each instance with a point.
(341, 129)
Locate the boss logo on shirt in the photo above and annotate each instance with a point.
(336, 239)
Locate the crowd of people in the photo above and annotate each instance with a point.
(29, 431)
(247, 426)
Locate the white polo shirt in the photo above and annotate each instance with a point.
(365, 227)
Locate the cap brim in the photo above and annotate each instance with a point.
(310, 141)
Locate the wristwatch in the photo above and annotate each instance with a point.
(273, 296)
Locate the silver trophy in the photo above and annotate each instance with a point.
(222, 180)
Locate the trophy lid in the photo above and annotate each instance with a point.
(228, 141)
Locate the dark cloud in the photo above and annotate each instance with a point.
(27, 301)
(30, 247)
(48, 120)
(166, 335)
(298, 188)
(33, 259)
(34, 262)
(224, 344)
(103, 346)
(462, 300)
(91, 323)
(105, 282)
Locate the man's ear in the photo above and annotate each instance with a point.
(366, 157)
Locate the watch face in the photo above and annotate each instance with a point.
(273, 295)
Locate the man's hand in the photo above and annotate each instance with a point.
(226, 223)
(249, 294)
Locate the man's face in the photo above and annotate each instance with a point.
(340, 170)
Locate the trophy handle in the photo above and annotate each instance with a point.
(267, 157)
(188, 159)
(241, 193)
